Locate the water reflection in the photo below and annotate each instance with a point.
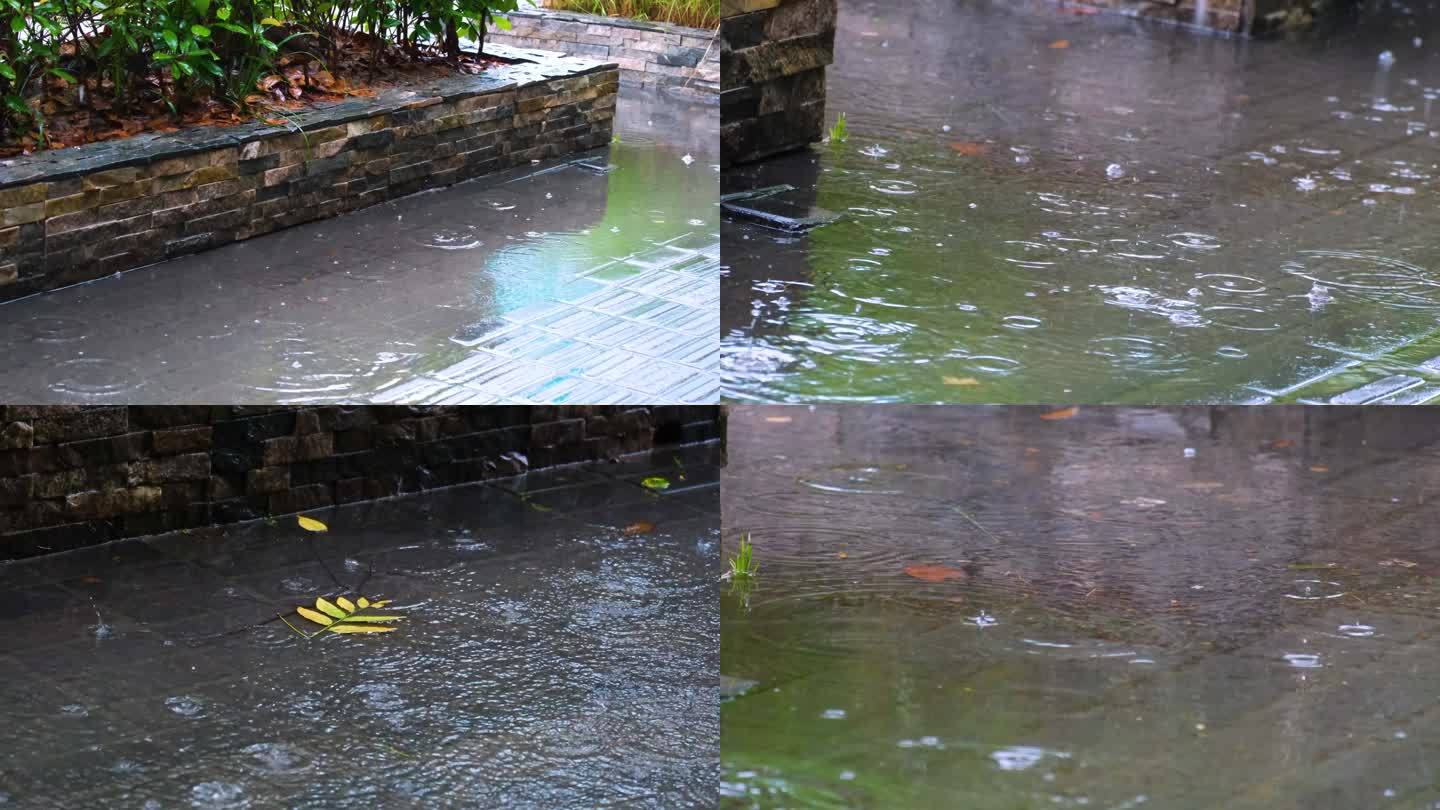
(1025, 607)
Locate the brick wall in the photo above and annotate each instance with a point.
(77, 475)
(649, 54)
(772, 75)
(118, 205)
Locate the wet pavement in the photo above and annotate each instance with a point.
(1019, 607)
(552, 283)
(551, 654)
(1041, 206)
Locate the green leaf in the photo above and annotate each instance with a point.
(63, 74)
(369, 618)
(271, 21)
(503, 23)
(7, 71)
(359, 628)
(656, 482)
(170, 38)
(17, 23)
(329, 608)
(345, 604)
(200, 31)
(223, 12)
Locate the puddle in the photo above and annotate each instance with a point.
(544, 659)
(350, 308)
(1104, 610)
(1012, 211)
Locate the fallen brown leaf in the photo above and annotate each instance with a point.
(1059, 45)
(639, 527)
(1063, 413)
(970, 148)
(933, 573)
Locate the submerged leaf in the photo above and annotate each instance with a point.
(933, 573)
(959, 380)
(656, 482)
(360, 628)
(1063, 413)
(311, 524)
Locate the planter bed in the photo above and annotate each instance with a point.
(77, 214)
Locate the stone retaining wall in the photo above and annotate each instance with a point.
(649, 54)
(74, 215)
(772, 75)
(72, 476)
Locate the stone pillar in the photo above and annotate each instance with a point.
(773, 55)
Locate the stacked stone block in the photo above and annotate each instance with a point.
(72, 476)
(74, 218)
(772, 75)
(649, 54)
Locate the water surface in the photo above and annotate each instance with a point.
(1040, 205)
(551, 655)
(987, 608)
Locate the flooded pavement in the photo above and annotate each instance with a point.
(1039, 205)
(1105, 608)
(549, 656)
(553, 283)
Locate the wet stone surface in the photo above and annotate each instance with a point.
(553, 283)
(1019, 607)
(1048, 206)
(548, 657)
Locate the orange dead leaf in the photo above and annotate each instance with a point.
(1059, 45)
(639, 527)
(842, 555)
(1319, 468)
(970, 148)
(1063, 413)
(933, 573)
(1281, 444)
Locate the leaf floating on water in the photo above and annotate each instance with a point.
(342, 616)
(1395, 561)
(1313, 566)
(778, 420)
(1319, 468)
(933, 573)
(1281, 444)
(1059, 45)
(1063, 413)
(311, 524)
(315, 616)
(959, 380)
(970, 148)
(843, 555)
(639, 527)
(656, 482)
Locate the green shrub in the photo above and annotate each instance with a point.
(187, 51)
(694, 13)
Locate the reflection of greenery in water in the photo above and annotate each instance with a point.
(970, 278)
(650, 196)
